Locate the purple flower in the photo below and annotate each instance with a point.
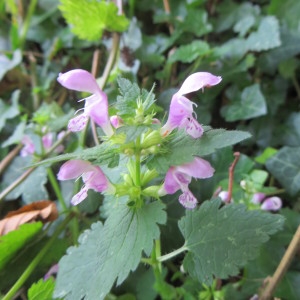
(28, 148)
(92, 176)
(181, 114)
(96, 105)
(179, 178)
(272, 203)
(257, 198)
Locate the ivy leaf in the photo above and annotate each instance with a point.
(108, 253)
(285, 167)
(9, 111)
(188, 53)
(88, 19)
(182, 148)
(37, 179)
(15, 240)
(6, 64)
(41, 290)
(266, 37)
(251, 105)
(222, 240)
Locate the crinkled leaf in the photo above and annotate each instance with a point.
(108, 253)
(285, 167)
(15, 240)
(42, 290)
(266, 37)
(250, 104)
(9, 111)
(222, 240)
(188, 53)
(127, 102)
(182, 148)
(88, 19)
(32, 188)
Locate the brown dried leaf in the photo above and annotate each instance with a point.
(44, 211)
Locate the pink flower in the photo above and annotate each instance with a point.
(181, 114)
(257, 198)
(28, 148)
(96, 105)
(92, 176)
(179, 178)
(272, 203)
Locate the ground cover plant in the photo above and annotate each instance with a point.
(149, 149)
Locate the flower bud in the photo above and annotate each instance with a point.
(152, 138)
(152, 191)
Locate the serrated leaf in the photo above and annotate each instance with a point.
(285, 167)
(188, 53)
(41, 290)
(37, 179)
(251, 105)
(100, 154)
(182, 148)
(132, 132)
(222, 240)
(13, 241)
(108, 253)
(88, 19)
(266, 37)
(17, 135)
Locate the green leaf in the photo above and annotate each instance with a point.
(222, 240)
(188, 53)
(267, 153)
(42, 290)
(6, 64)
(108, 253)
(132, 132)
(15, 240)
(37, 179)
(9, 111)
(182, 148)
(88, 19)
(251, 105)
(285, 167)
(291, 135)
(266, 37)
(17, 135)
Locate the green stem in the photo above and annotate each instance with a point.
(138, 162)
(172, 254)
(158, 254)
(30, 11)
(35, 262)
(56, 189)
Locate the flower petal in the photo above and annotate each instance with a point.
(257, 198)
(188, 200)
(198, 81)
(192, 128)
(80, 196)
(95, 180)
(197, 168)
(272, 203)
(79, 80)
(78, 123)
(73, 169)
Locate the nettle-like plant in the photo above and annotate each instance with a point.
(139, 161)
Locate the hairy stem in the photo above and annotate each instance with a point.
(231, 174)
(35, 262)
(282, 267)
(172, 254)
(56, 189)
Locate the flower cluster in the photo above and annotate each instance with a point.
(181, 116)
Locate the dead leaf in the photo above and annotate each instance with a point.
(44, 211)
